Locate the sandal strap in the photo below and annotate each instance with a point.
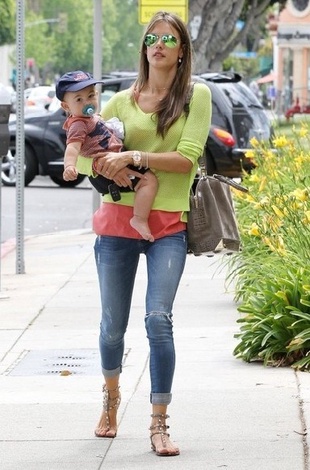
(163, 436)
(160, 424)
(108, 402)
(161, 427)
(160, 415)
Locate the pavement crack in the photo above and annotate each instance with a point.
(303, 423)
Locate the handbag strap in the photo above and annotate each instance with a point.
(188, 99)
(231, 182)
(202, 159)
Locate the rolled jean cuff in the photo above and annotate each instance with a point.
(161, 398)
(112, 373)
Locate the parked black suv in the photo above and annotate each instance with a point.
(237, 116)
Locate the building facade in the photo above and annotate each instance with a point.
(292, 54)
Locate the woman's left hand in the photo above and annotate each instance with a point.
(111, 163)
(125, 176)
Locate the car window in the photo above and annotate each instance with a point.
(239, 94)
(41, 91)
(219, 118)
(105, 96)
(55, 105)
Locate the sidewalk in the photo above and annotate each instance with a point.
(225, 413)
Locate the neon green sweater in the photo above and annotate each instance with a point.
(187, 136)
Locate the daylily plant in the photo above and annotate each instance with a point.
(272, 272)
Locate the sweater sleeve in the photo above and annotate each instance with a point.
(194, 134)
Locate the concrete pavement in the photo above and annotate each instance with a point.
(225, 413)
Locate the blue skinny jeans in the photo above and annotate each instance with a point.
(117, 261)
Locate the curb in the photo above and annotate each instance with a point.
(7, 246)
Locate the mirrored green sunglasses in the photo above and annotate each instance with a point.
(151, 39)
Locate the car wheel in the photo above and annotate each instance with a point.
(67, 184)
(8, 170)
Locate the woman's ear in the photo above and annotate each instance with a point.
(181, 52)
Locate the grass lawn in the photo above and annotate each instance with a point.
(283, 126)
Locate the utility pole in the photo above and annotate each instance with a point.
(97, 67)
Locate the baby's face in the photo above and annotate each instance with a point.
(75, 102)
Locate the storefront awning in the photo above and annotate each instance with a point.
(267, 78)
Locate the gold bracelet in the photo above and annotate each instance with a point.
(146, 160)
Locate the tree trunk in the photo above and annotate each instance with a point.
(212, 24)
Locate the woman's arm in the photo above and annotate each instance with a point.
(189, 148)
(111, 163)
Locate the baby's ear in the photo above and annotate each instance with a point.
(65, 107)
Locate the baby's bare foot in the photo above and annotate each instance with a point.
(142, 227)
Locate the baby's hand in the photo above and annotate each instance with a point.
(70, 173)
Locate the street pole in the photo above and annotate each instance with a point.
(20, 136)
(97, 67)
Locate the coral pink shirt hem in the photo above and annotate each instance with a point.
(113, 220)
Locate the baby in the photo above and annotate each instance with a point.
(88, 135)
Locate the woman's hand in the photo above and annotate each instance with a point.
(111, 163)
(125, 176)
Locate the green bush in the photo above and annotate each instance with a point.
(272, 272)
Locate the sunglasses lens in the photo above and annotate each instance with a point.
(150, 40)
(169, 40)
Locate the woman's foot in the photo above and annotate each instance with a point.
(160, 439)
(107, 426)
(141, 226)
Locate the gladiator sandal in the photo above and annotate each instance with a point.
(108, 405)
(161, 428)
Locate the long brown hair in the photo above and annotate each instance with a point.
(172, 106)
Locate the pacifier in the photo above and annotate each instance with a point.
(89, 110)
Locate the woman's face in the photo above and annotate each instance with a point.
(159, 54)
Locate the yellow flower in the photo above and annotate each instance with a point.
(302, 132)
(267, 242)
(300, 194)
(280, 142)
(254, 178)
(249, 197)
(274, 223)
(269, 155)
(306, 219)
(277, 211)
(296, 341)
(262, 183)
(250, 154)
(280, 244)
(254, 230)
(254, 142)
(300, 159)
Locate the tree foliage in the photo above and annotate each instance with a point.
(7, 22)
(59, 35)
(67, 35)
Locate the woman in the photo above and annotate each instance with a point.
(160, 133)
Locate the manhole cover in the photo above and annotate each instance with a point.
(59, 362)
